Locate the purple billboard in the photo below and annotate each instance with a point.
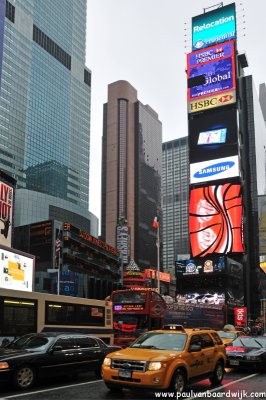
(211, 71)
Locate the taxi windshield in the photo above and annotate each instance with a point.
(161, 341)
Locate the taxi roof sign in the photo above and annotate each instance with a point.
(174, 327)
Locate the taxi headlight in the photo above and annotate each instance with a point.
(154, 366)
(4, 365)
(107, 362)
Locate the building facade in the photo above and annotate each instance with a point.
(175, 190)
(131, 174)
(45, 100)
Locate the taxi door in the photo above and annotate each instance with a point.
(196, 359)
(209, 350)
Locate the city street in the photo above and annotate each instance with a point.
(236, 385)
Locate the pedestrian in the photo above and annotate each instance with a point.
(5, 342)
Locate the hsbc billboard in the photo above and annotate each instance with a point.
(211, 74)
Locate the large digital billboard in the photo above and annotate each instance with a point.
(210, 72)
(204, 266)
(213, 135)
(16, 271)
(215, 220)
(213, 27)
(211, 170)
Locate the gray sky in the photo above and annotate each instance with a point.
(144, 42)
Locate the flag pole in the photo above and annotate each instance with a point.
(158, 257)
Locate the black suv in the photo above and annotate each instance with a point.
(32, 356)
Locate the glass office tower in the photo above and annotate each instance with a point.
(175, 183)
(45, 99)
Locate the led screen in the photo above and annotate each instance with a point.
(215, 220)
(205, 266)
(16, 271)
(212, 170)
(216, 65)
(6, 213)
(213, 135)
(215, 26)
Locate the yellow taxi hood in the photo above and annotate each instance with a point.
(138, 354)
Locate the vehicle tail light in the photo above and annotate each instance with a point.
(236, 349)
(4, 365)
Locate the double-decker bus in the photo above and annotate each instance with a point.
(135, 311)
(24, 312)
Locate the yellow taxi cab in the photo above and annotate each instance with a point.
(167, 359)
(229, 335)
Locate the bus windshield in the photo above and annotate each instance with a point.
(129, 297)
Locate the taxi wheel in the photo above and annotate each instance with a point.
(178, 382)
(218, 374)
(24, 377)
(113, 388)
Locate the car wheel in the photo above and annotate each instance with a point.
(218, 374)
(24, 377)
(113, 388)
(178, 382)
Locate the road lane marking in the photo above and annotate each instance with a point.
(226, 385)
(13, 396)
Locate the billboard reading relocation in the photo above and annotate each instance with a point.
(214, 27)
(16, 271)
(215, 220)
(211, 72)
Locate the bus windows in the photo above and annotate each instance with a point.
(23, 312)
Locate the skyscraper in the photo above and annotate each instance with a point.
(45, 105)
(175, 185)
(131, 173)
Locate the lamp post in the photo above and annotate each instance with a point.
(158, 257)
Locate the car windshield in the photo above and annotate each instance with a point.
(256, 342)
(161, 341)
(29, 342)
(227, 335)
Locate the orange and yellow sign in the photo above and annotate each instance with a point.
(218, 100)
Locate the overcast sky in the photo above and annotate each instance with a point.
(145, 42)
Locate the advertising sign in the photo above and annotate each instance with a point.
(215, 26)
(215, 220)
(213, 135)
(16, 271)
(217, 100)
(212, 170)
(216, 68)
(6, 213)
(204, 266)
(123, 242)
(240, 315)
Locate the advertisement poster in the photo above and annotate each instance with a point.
(215, 26)
(6, 213)
(216, 66)
(205, 266)
(240, 315)
(222, 168)
(213, 136)
(215, 220)
(16, 271)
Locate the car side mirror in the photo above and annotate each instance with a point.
(194, 347)
(56, 348)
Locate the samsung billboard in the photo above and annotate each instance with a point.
(211, 72)
(221, 168)
(213, 27)
(213, 135)
(216, 220)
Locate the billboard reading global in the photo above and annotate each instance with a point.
(211, 72)
(214, 27)
(215, 220)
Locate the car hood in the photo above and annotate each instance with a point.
(14, 353)
(138, 354)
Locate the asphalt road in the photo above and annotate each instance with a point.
(236, 385)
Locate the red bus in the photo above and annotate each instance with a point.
(135, 311)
